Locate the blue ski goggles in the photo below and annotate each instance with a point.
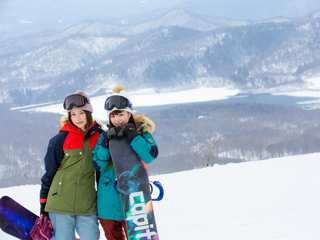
(75, 100)
(117, 101)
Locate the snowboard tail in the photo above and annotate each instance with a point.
(15, 219)
(133, 183)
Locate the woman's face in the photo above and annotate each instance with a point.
(79, 118)
(120, 118)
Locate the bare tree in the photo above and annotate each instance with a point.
(206, 153)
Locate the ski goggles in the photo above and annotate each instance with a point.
(117, 101)
(75, 100)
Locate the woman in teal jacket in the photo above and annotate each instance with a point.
(121, 116)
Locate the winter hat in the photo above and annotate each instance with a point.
(87, 106)
(120, 91)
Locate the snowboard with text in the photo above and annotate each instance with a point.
(133, 184)
(15, 219)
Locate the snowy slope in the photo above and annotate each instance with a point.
(263, 200)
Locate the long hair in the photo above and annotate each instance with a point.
(89, 119)
(131, 120)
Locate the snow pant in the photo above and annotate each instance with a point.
(114, 230)
(65, 225)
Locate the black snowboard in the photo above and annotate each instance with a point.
(133, 183)
(15, 219)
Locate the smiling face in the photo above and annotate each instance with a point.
(79, 118)
(119, 118)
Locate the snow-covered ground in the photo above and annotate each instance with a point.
(274, 199)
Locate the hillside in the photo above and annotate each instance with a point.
(251, 131)
(177, 50)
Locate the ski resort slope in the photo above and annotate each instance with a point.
(275, 199)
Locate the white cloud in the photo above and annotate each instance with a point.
(24, 21)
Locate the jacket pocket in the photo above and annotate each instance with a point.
(56, 186)
(106, 181)
(60, 186)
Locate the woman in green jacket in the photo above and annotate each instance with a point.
(68, 191)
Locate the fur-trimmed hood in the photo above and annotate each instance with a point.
(64, 120)
(145, 124)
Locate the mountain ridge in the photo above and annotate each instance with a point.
(253, 57)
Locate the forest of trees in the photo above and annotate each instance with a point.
(246, 132)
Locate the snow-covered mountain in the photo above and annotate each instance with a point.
(178, 17)
(272, 199)
(178, 50)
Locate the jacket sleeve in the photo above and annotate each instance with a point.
(145, 146)
(101, 156)
(52, 161)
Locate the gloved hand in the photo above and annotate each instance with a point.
(42, 211)
(115, 132)
(130, 131)
(105, 140)
(127, 130)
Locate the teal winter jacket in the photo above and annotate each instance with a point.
(109, 203)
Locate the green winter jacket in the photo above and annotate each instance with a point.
(69, 159)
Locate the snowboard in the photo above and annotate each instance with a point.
(133, 184)
(15, 219)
